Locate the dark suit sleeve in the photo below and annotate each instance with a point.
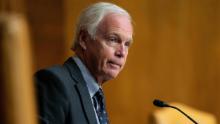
(51, 97)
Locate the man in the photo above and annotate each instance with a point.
(72, 93)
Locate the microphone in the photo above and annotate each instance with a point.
(160, 103)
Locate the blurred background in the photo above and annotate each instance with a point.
(175, 56)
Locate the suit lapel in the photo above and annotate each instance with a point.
(87, 104)
(82, 89)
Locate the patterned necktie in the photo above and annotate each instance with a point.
(99, 104)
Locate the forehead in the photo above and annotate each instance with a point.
(116, 23)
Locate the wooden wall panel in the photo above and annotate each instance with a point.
(46, 18)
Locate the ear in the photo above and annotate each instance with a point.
(83, 39)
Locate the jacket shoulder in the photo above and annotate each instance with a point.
(56, 72)
(52, 94)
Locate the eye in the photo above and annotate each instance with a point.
(112, 39)
(128, 43)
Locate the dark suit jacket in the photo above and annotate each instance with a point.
(63, 97)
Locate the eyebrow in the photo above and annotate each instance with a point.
(129, 40)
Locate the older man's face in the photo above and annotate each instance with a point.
(108, 52)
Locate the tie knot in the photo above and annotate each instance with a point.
(99, 95)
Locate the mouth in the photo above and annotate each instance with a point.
(114, 64)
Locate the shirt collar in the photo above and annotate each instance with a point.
(91, 83)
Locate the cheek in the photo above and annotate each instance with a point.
(125, 59)
(107, 53)
(102, 58)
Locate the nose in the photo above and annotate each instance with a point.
(121, 51)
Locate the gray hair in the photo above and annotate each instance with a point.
(92, 16)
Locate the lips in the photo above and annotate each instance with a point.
(114, 64)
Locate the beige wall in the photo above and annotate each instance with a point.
(175, 57)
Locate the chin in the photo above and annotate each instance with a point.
(113, 75)
(110, 74)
